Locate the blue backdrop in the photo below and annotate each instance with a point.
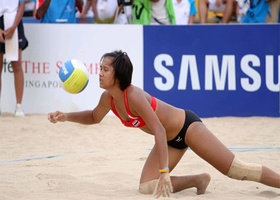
(215, 70)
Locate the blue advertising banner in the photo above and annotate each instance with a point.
(215, 70)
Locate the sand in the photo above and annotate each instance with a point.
(67, 161)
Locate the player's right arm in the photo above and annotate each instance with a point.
(42, 7)
(84, 117)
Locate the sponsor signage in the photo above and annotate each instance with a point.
(215, 70)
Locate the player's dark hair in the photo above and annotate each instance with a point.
(123, 67)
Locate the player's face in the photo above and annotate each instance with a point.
(106, 74)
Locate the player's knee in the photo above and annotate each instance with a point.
(148, 187)
(245, 171)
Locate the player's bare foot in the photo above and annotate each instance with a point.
(203, 182)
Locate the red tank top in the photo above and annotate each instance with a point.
(134, 121)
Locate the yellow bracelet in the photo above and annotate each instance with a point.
(165, 170)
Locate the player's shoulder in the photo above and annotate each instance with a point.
(105, 94)
(133, 91)
(137, 94)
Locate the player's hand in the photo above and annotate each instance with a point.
(57, 117)
(2, 36)
(9, 32)
(164, 186)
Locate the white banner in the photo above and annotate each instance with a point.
(50, 45)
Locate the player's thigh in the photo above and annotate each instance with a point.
(151, 167)
(206, 145)
(175, 156)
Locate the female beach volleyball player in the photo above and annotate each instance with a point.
(173, 133)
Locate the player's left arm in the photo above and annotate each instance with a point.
(140, 104)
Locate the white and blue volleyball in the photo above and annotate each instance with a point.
(74, 76)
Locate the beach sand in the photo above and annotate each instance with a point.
(67, 161)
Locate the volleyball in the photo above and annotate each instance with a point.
(73, 76)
